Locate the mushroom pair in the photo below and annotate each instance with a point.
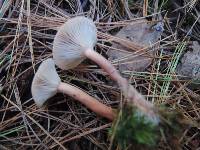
(73, 43)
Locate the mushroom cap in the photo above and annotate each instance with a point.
(45, 82)
(72, 39)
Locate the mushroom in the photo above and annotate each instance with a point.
(47, 83)
(75, 41)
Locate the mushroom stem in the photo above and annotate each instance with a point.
(128, 90)
(105, 64)
(87, 100)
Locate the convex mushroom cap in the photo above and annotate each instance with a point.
(45, 82)
(72, 39)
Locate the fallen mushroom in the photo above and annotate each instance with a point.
(47, 83)
(75, 41)
(130, 128)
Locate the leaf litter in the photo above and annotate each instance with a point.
(144, 34)
(67, 123)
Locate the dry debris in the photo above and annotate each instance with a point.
(190, 64)
(144, 34)
(27, 30)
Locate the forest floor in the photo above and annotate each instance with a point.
(167, 71)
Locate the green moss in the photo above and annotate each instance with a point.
(134, 129)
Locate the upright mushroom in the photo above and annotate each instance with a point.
(47, 83)
(75, 41)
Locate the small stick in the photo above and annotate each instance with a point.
(87, 100)
(145, 8)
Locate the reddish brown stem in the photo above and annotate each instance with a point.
(128, 90)
(87, 100)
(105, 64)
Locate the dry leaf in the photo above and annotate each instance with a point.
(190, 64)
(144, 34)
